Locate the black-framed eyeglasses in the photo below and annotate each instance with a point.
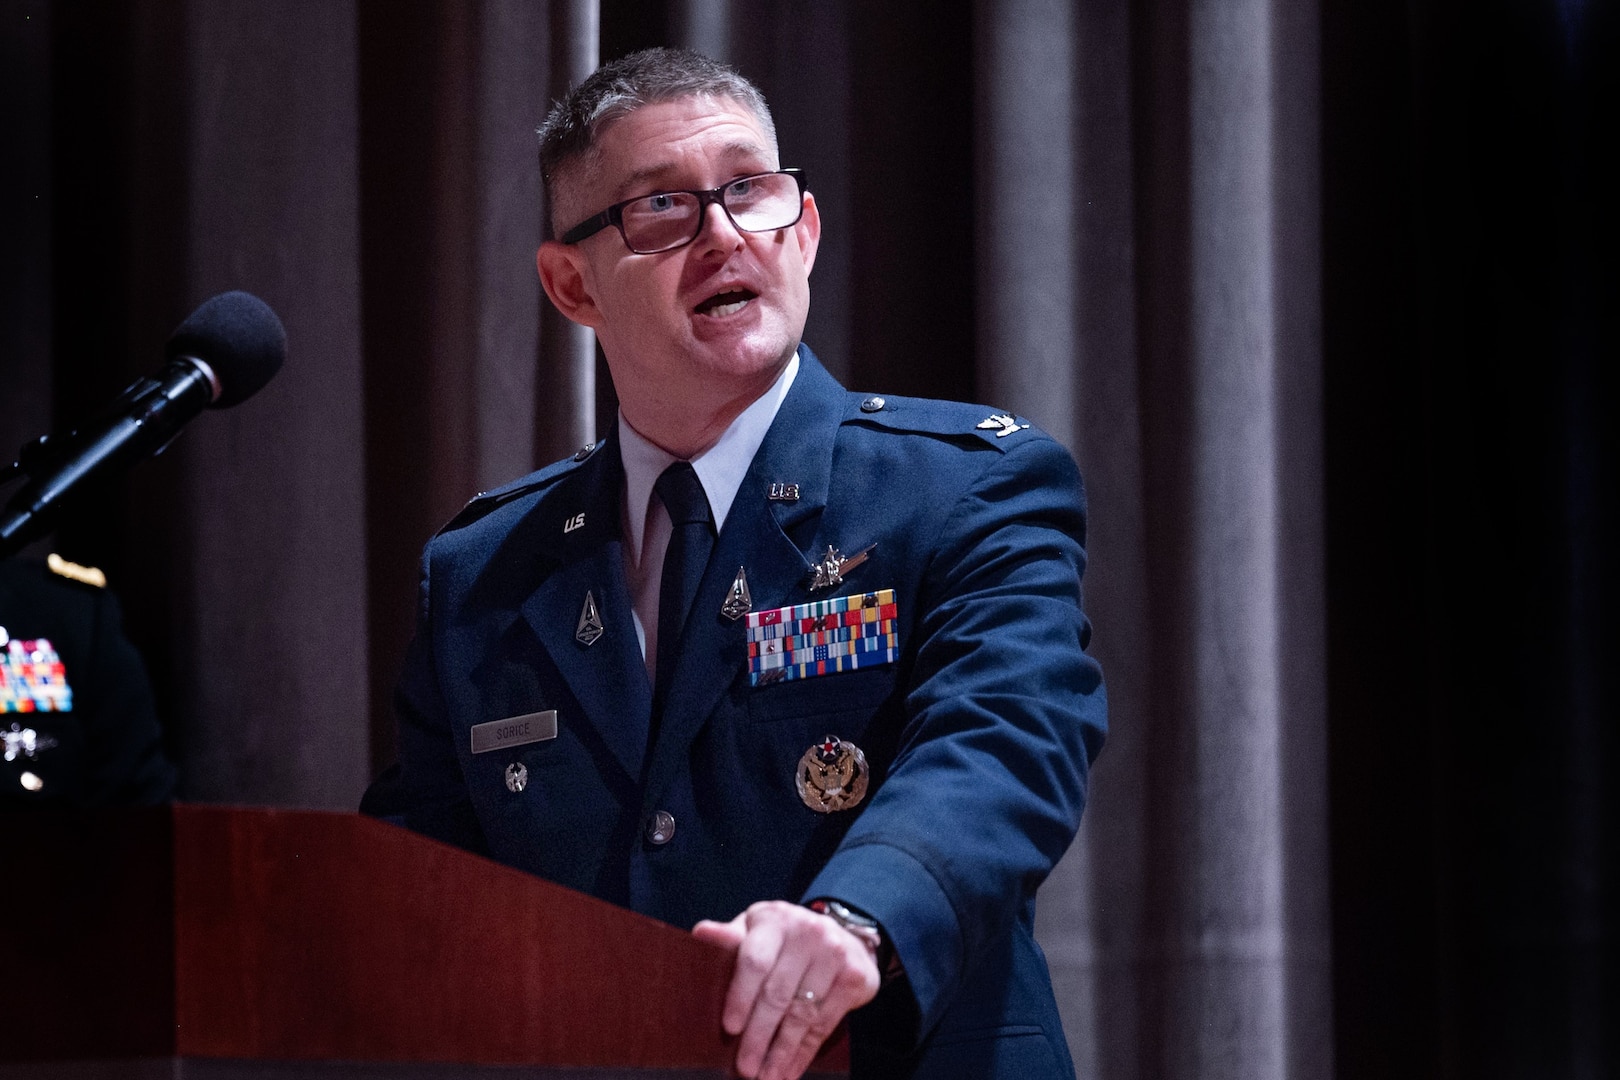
(666, 220)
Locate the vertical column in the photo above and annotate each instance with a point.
(1024, 227)
(271, 528)
(1235, 916)
(1301, 597)
(565, 383)
(511, 78)
(25, 219)
(1027, 352)
(703, 26)
(1057, 341)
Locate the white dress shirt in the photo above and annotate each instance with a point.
(643, 519)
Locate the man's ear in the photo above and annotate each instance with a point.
(563, 276)
(809, 231)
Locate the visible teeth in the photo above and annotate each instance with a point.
(722, 310)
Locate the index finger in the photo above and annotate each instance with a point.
(757, 956)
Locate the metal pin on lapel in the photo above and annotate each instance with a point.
(829, 570)
(738, 602)
(589, 627)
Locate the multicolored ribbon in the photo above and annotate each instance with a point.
(32, 678)
(845, 633)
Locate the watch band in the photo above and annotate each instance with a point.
(867, 929)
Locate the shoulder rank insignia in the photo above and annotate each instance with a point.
(832, 775)
(1002, 424)
(84, 575)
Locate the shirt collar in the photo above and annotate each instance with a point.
(720, 468)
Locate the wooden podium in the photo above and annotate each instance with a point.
(205, 942)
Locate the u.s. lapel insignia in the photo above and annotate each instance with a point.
(830, 569)
(738, 602)
(1002, 424)
(783, 493)
(832, 775)
(589, 627)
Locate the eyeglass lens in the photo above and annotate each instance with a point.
(673, 218)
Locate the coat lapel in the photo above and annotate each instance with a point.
(764, 538)
(606, 677)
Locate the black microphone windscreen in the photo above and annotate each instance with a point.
(239, 337)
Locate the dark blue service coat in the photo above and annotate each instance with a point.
(979, 736)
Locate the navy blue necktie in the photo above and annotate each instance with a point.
(691, 539)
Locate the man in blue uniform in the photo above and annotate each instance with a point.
(798, 666)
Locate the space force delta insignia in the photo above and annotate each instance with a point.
(845, 633)
(33, 678)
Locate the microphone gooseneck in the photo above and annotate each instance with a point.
(222, 354)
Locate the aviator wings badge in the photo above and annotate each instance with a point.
(830, 569)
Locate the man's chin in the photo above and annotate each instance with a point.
(742, 356)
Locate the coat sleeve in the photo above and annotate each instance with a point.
(1004, 713)
(426, 790)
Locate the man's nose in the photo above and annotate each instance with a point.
(719, 232)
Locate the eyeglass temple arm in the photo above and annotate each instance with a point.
(589, 227)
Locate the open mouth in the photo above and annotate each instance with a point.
(726, 303)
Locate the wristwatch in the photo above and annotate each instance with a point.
(867, 929)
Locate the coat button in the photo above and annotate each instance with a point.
(661, 828)
(872, 404)
(517, 777)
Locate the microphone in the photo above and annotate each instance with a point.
(222, 354)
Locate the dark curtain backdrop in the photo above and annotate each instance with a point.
(1320, 296)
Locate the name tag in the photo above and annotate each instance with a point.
(514, 731)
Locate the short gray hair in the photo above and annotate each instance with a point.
(624, 85)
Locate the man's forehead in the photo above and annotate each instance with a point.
(654, 172)
(617, 167)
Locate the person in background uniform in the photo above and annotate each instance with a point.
(802, 667)
(76, 713)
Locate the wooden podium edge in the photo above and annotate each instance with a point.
(206, 933)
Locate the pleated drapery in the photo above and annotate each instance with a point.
(1279, 275)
